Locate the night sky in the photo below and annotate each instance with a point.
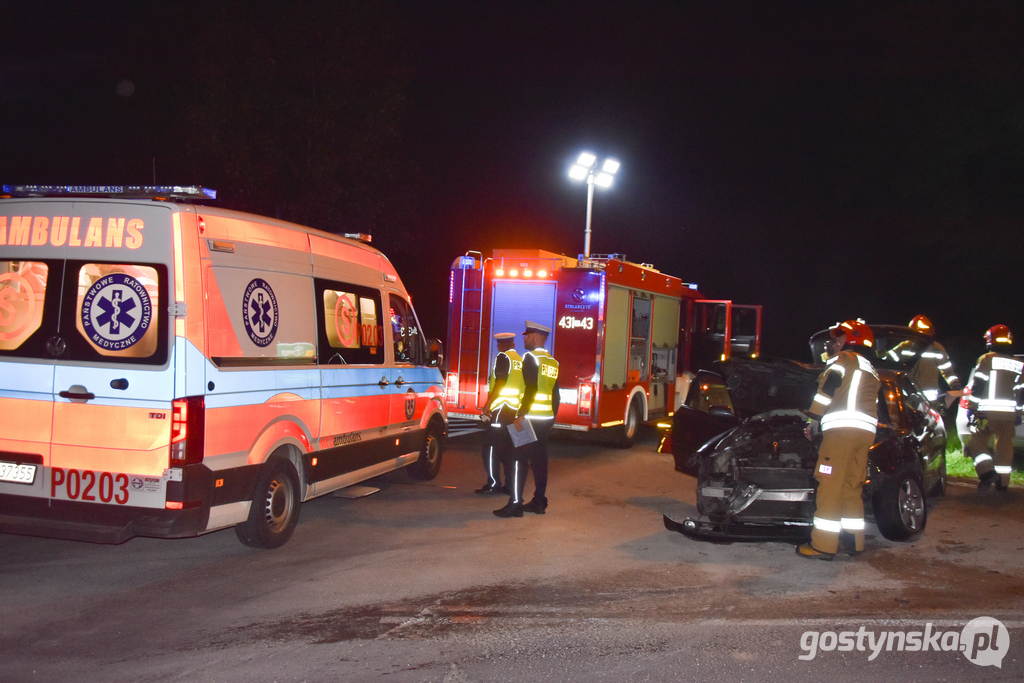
(824, 160)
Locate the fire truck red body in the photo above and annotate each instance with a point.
(627, 337)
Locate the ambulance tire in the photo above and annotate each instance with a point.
(899, 506)
(631, 425)
(275, 506)
(428, 464)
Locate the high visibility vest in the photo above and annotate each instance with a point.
(547, 375)
(512, 393)
(854, 404)
(995, 384)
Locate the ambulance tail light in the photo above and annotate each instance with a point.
(585, 404)
(188, 422)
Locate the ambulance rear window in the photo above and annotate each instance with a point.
(83, 311)
(22, 293)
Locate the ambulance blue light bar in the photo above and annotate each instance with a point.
(176, 191)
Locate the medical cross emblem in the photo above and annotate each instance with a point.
(259, 311)
(116, 312)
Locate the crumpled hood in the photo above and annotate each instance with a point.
(759, 385)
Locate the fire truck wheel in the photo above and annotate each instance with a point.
(428, 464)
(631, 425)
(275, 506)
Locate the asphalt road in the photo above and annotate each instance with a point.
(420, 582)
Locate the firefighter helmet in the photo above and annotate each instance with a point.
(857, 333)
(998, 334)
(922, 324)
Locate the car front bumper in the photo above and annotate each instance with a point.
(704, 529)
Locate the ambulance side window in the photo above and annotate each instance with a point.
(350, 324)
(405, 333)
(22, 295)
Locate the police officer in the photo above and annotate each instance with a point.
(539, 406)
(505, 391)
(993, 408)
(847, 406)
(934, 361)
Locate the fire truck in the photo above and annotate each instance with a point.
(628, 338)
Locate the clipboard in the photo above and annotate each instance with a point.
(521, 438)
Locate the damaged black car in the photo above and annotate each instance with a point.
(741, 433)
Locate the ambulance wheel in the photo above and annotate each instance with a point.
(275, 507)
(631, 425)
(428, 464)
(899, 505)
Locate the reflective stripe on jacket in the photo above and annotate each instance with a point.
(934, 361)
(542, 407)
(995, 384)
(854, 402)
(512, 392)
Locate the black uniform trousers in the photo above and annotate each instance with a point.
(497, 447)
(533, 456)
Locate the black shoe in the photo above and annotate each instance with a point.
(848, 544)
(536, 506)
(489, 488)
(986, 480)
(510, 510)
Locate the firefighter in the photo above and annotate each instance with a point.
(504, 393)
(845, 409)
(539, 406)
(993, 408)
(933, 361)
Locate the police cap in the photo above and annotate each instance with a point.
(537, 327)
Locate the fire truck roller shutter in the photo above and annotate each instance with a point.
(516, 302)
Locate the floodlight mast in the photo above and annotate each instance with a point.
(585, 168)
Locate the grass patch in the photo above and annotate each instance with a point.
(959, 465)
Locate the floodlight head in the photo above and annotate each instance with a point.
(578, 172)
(586, 159)
(610, 166)
(604, 179)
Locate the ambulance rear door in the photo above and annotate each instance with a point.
(30, 277)
(105, 336)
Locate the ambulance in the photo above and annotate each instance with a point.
(169, 368)
(627, 337)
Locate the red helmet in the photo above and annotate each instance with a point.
(857, 333)
(999, 334)
(922, 324)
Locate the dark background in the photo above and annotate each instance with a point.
(825, 160)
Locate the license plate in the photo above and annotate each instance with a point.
(17, 474)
